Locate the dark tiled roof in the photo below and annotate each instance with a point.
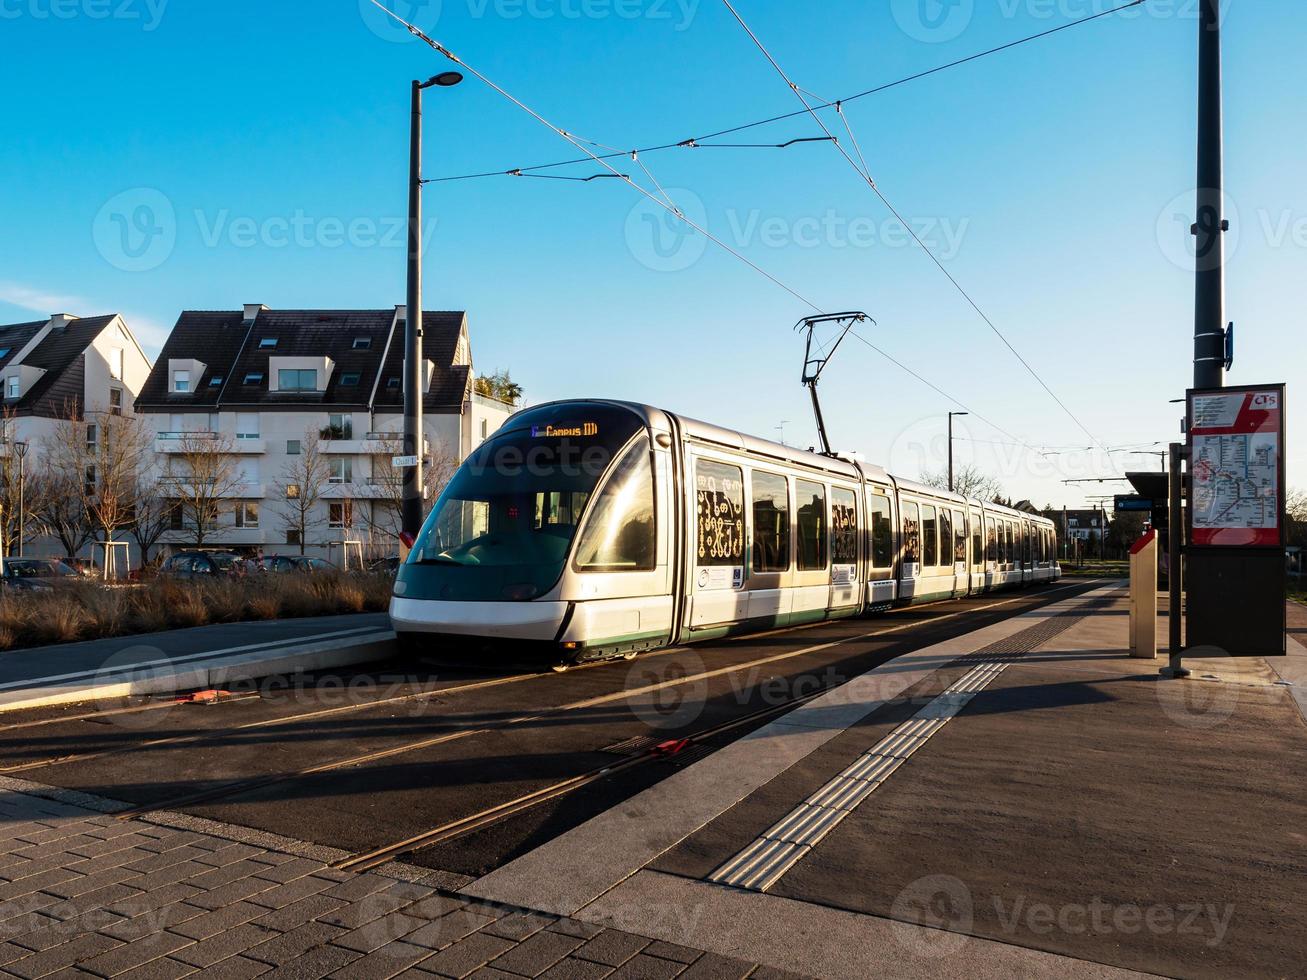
(449, 382)
(230, 347)
(60, 354)
(212, 338)
(14, 337)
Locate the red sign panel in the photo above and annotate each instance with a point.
(1236, 446)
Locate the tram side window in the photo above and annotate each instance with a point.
(813, 531)
(619, 532)
(771, 523)
(945, 539)
(911, 533)
(1008, 553)
(882, 535)
(844, 527)
(719, 490)
(929, 536)
(959, 538)
(977, 542)
(991, 549)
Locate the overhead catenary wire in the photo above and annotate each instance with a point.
(697, 142)
(670, 207)
(871, 182)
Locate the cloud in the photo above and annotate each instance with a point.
(27, 298)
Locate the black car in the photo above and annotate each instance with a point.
(51, 569)
(14, 577)
(202, 564)
(389, 565)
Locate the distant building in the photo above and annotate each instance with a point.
(1087, 525)
(265, 386)
(54, 369)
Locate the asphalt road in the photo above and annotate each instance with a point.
(402, 748)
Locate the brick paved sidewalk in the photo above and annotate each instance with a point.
(85, 894)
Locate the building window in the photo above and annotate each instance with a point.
(362, 343)
(292, 491)
(339, 427)
(116, 364)
(254, 378)
(268, 343)
(115, 401)
(90, 437)
(247, 425)
(90, 480)
(215, 381)
(485, 428)
(350, 379)
(175, 516)
(340, 514)
(12, 390)
(293, 536)
(181, 381)
(247, 513)
(341, 469)
(392, 384)
(297, 379)
(292, 447)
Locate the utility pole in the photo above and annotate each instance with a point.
(950, 447)
(1210, 223)
(412, 499)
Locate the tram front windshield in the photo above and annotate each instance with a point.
(505, 524)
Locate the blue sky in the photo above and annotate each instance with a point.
(162, 156)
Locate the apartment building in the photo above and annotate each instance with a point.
(50, 370)
(306, 405)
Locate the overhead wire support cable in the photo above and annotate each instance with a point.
(671, 208)
(871, 182)
(876, 90)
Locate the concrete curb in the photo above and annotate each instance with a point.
(200, 673)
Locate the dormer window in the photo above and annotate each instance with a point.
(362, 343)
(297, 379)
(254, 378)
(12, 387)
(350, 379)
(181, 381)
(215, 381)
(4, 352)
(268, 343)
(392, 383)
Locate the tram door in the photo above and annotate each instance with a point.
(910, 526)
(845, 586)
(958, 542)
(717, 596)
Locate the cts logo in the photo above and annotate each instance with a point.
(1266, 401)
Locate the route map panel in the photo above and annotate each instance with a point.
(1236, 446)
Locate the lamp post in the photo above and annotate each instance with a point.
(411, 511)
(21, 449)
(950, 447)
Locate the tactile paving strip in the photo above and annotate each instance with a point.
(760, 865)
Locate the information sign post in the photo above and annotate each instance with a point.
(1236, 521)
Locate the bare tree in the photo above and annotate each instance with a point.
(16, 486)
(154, 510)
(99, 457)
(203, 480)
(62, 509)
(969, 481)
(299, 489)
(384, 518)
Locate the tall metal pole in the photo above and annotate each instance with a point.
(411, 514)
(1174, 561)
(950, 447)
(22, 504)
(1210, 224)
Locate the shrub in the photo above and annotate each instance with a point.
(91, 610)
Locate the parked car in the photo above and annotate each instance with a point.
(388, 565)
(294, 563)
(12, 581)
(276, 563)
(315, 565)
(202, 564)
(42, 568)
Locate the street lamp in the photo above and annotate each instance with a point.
(21, 449)
(411, 511)
(950, 447)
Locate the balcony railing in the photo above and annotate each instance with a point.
(179, 436)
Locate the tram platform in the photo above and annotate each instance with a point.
(1026, 800)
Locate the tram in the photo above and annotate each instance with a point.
(593, 529)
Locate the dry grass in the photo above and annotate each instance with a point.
(87, 611)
